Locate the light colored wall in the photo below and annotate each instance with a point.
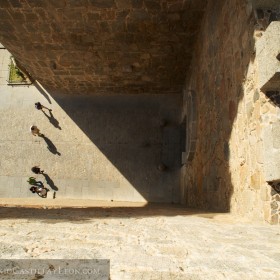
(227, 172)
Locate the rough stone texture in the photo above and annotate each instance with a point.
(227, 172)
(191, 123)
(145, 243)
(266, 4)
(268, 48)
(221, 58)
(271, 134)
(103, 46)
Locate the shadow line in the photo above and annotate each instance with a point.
(52, 120)
(50, 182)
(82, 215)
(50, 145)
(42, 91)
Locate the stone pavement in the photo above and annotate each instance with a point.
(146, 243)
(101, 147)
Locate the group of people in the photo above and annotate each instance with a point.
(37, 186)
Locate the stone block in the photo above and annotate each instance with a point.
(276, 135)
(92, 17)
(139, 15)
(271, 154)
(256, 181)
(152, 4)
(4, 14)
(267, 50)
(37, 3)
(16, 3)
(266, 4)
(123, 4)
(264, 194)
(137, 4)
(102, 3)
(274, 219)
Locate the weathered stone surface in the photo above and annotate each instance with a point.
(276, 135)
(268, 47)
(102, 3)
(168, 243)
(234, 151)
(111, 33)
(256, 181)
(269, 4)
(271, 153)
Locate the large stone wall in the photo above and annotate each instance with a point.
(103, 46)
(227, 171)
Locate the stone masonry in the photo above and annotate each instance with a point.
(103, 46)
(234, 115)
(268, 48)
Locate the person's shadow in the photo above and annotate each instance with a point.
(52, 120)
(50, 182)
(50, 145)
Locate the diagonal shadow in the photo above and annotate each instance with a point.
(80, 215)
(128, 131)
(50, 145)
(52, 119)
(50, 182)
(42, 91)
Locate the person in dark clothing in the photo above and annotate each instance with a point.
(39, 106)
(37, 170)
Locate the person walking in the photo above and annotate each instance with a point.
(41, 191)
(35, 131)
(32, 181)
(39, 106)
(37, 170)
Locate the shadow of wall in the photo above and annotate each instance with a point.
(128, 131)
(220, 77)
(79, 215)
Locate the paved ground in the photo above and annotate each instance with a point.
(101, 147)
(146, 243)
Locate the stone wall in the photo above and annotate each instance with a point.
(268, 48)
(103, 46)
(227, 171)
